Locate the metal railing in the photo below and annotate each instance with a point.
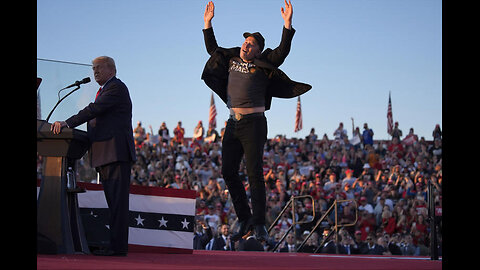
(333, 207)
(292, 203)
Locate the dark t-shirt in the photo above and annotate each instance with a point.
(246, 85)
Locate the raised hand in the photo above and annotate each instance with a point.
(208, 15)
(287, 14)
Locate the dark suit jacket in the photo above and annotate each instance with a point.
(219, 243)
(109, 126)
(200, 240)
(329, 247)
(285, 248)
(377, 250)
(251, 244)
(342, 249)
(215, 72)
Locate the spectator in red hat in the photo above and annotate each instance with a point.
(349, 178)
(177, 184)
(364, 205)
(358, 238)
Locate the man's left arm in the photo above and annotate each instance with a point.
(113, 95)
(103, 103)
(278, 55)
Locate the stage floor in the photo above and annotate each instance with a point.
(201, 259)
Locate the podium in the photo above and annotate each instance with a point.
(58, 216)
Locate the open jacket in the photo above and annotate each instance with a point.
(215, 72)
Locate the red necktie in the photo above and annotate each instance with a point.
(98, 92)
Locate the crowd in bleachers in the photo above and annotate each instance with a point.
(387, 178)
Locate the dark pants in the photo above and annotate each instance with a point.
(247, 136)
(115, 178)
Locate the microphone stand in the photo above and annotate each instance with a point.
(60, 100)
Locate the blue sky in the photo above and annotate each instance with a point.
(353, 52)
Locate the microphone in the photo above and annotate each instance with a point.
(77, 83)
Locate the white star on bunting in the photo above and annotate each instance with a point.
(139, 220)
(185, 224)
(163, 222)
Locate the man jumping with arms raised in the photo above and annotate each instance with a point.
(246, 78)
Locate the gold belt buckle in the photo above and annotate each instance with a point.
(238, 116)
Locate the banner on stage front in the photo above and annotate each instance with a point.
(161, 219)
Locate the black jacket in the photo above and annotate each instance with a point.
(109, 126)
(200, 240)
(215, 72)
(219, 244)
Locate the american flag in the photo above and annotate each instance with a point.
(389, 116)
(212, 122)
(298, 116)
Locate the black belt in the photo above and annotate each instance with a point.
(238, 116)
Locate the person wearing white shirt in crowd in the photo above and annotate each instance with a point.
(340, 133)
(364, 205)
(332, 183)
(182, 164)
(212, 219)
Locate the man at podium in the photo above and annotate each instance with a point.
(112, 150)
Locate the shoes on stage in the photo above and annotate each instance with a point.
(245, 228)
(261, 233)
(108, 252)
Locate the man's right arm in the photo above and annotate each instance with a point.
(210, 41)
(209, 37)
